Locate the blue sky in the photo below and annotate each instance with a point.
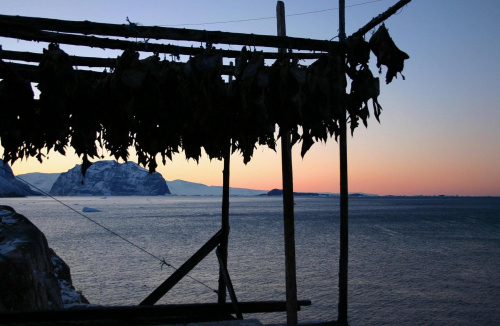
(439, 130)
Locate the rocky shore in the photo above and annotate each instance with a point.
(32, 276)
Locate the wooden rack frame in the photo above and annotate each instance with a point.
(90, 34)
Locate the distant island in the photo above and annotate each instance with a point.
(279, 192)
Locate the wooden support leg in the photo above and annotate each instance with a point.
(229, 284)
(288, 209)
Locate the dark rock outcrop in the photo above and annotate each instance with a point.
(32, 276)
(10, 186)
(110, 178)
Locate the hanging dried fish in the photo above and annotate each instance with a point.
(57, 86)
(358, 51)
(321, 111)
(363, 88)
(116, 102)
(248, 97)
(205, 106)
(387, 53)
(20, 132)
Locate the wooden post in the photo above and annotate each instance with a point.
(344, 234)
(288, 213)
(225, 221)
(230, 288)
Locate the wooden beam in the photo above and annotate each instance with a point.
(225, 218)
(288, 201)
(30, 72)
(101, 42)
(165, 33)
(344, 210)
(114, 44)
(380, 18)
(78, 61)
(183, 270)
(176, 312)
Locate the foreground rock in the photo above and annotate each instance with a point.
(10, 186)
(110, 178)
(32, 276)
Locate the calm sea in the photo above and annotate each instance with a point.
(412, 261)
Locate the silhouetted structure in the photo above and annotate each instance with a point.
(162, 107)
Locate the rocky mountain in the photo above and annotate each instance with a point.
(10, 186)
(110, 178)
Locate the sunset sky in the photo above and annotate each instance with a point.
(439, 131)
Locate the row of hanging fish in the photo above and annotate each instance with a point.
(161, 108)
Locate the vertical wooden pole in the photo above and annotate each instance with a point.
(225, 227)
(288, 209)
(225, 221)
(344, 234)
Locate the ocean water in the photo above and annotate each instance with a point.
(412, 261)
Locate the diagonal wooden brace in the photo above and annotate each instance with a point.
(183, 270)
(229, 285)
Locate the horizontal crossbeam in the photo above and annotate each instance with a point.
(36, 25)
(175, 312)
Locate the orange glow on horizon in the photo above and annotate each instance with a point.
(375, 173)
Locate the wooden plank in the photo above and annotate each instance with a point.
(183, 270)
(166, 33)
(186, 312)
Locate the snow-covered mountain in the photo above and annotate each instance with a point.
(40, 181)
(45, 181)
(185, 188)
(10, 186)
(110, 178)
